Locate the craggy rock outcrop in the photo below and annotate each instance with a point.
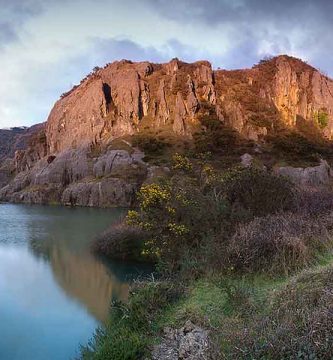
(35, 150)
(316, 176)
(103, 193)
(124, 98)
(302, 91)
(76, 178)
(115, 100)
(190, 342)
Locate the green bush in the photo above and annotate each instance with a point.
(178, 215)
(294, 147)
(216, 138)
(256, 192)
(149, 144)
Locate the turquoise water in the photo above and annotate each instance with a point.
(53, 291)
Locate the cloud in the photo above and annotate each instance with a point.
(13, 15)
(215, 12)
(286, 25)
(7, 33)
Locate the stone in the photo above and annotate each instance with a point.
(299, 90)
(109, 192)
(247, 160)
(190, 342)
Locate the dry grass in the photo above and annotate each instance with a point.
(314, 202)
(296, 322)
(280, 243)
(120, 242)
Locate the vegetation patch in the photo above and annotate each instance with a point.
(321, 118)
(295, 148)
(218, 138)
(237, 253)
(280, 243)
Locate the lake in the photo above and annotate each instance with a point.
(53, 291)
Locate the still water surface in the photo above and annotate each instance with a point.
(53, 291)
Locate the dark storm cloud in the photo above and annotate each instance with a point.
(302, 27)
(12, 15)
(239, 11)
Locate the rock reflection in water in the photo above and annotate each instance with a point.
(83, 276)
(88, 280)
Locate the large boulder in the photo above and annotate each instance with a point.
(315, 176)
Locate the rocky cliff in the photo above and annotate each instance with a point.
(124, 96)
(75, 160)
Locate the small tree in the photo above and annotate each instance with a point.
(321, 118)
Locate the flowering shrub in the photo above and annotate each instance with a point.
(176, 213)
(181, 162)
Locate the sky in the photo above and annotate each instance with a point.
(47, 46)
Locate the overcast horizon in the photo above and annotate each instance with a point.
(48, 46)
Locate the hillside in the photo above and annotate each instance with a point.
(17, 138)
(98, 133)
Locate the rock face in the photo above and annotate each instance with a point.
(7, 169)
(246, 160)
(301, 91)
(56, 163)
(114, 101)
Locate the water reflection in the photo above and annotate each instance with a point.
(88, 280)
(52, 289)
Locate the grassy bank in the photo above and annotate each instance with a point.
(249, 317)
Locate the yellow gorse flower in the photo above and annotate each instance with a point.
(181, 162)
(153, 194)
